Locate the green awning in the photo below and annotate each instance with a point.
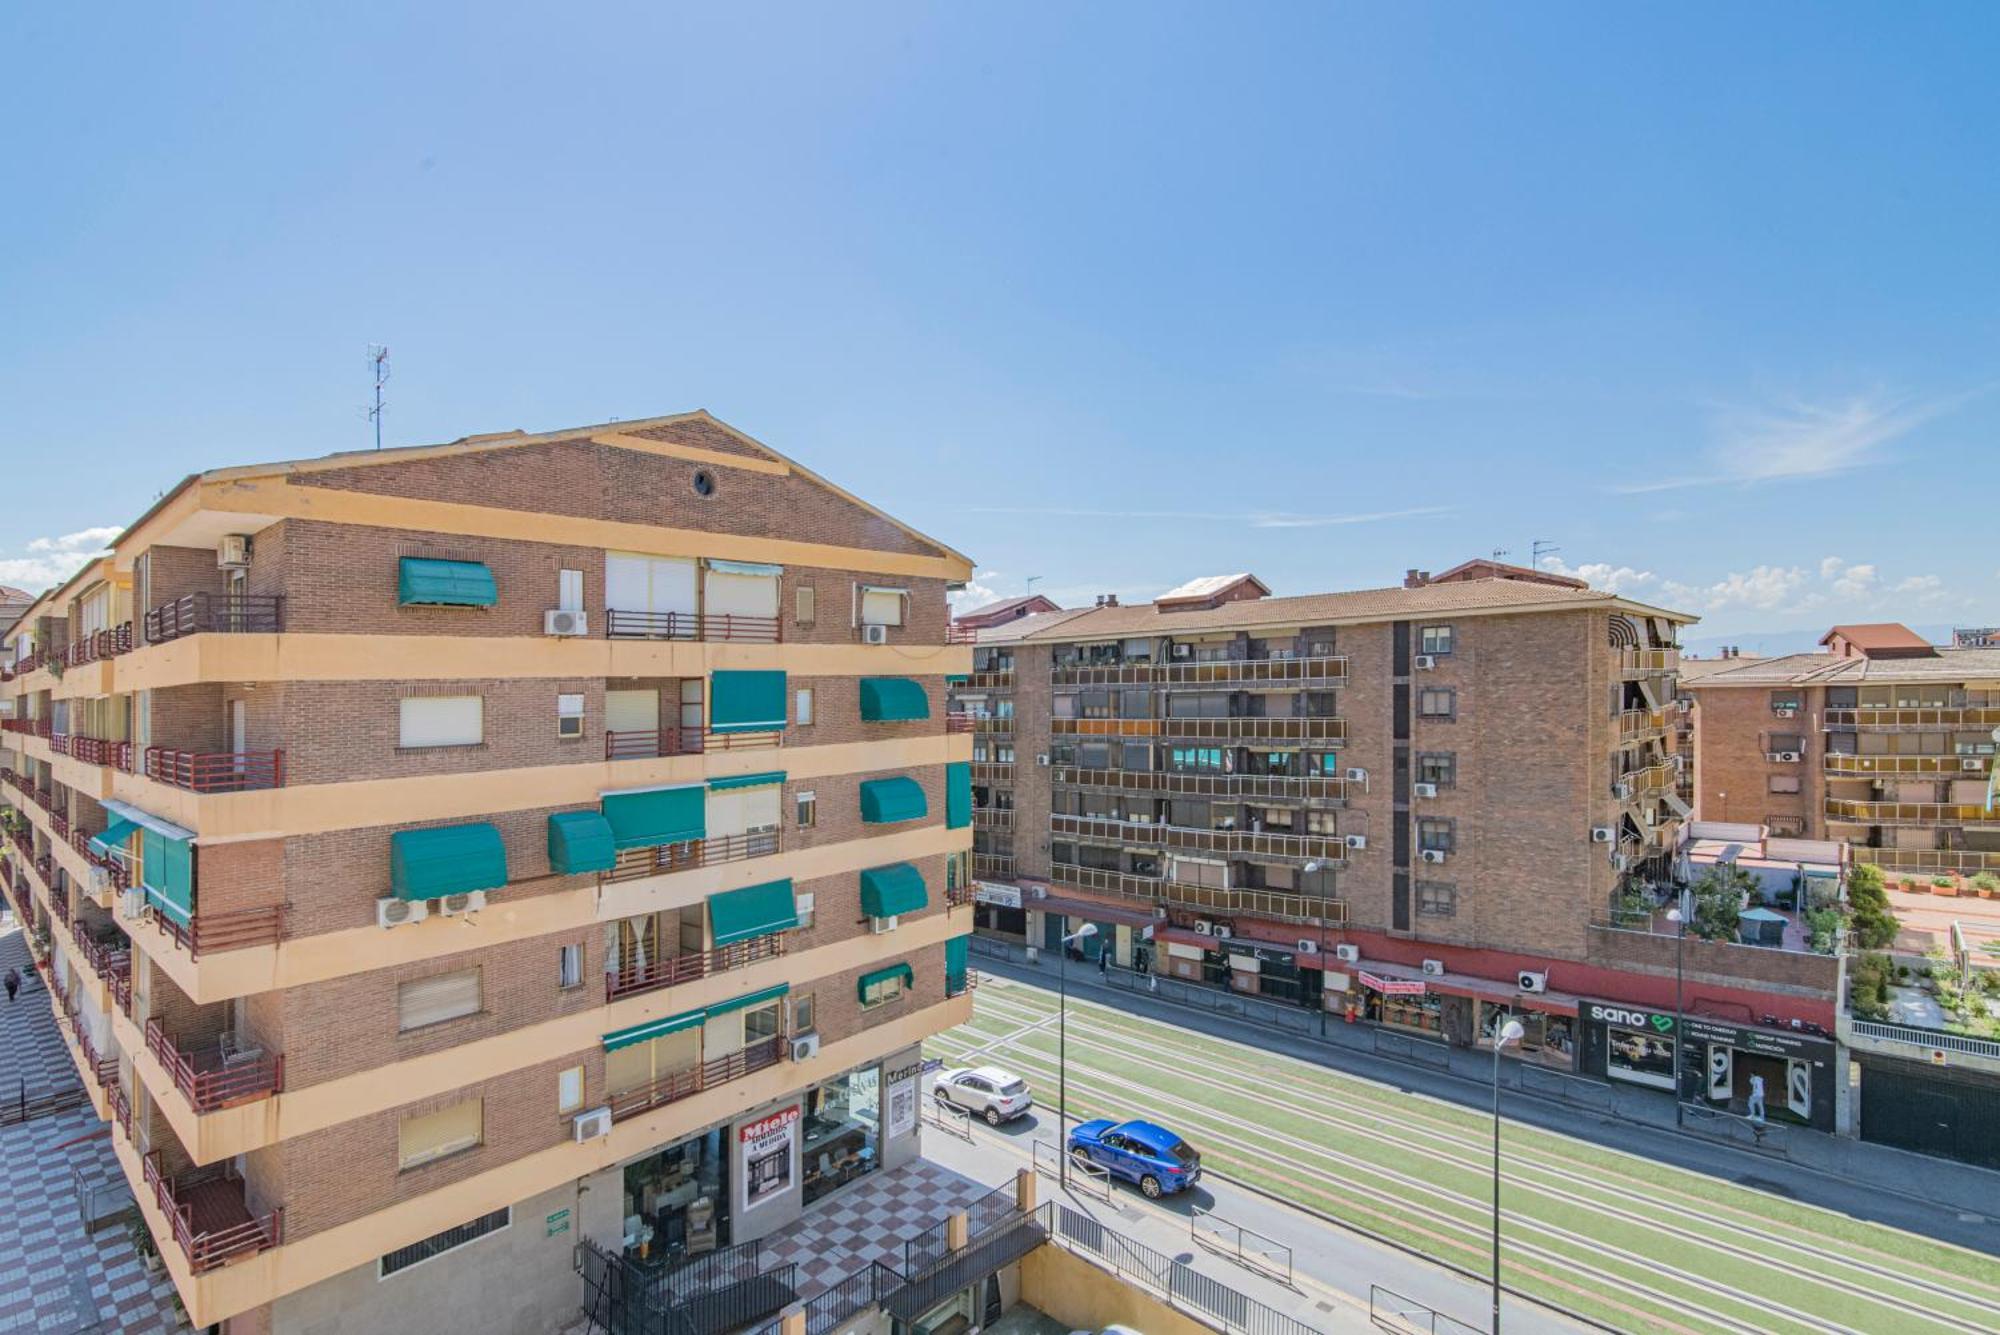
(887, 801)
(893, 700)
(747, 781)
(445, 583)
(957, 954)
(868, 982)
(957, 679)
(115, 834)
(167, 871)
(649, 817)
(581, 841)
(749, 999)
(892, 890)
(746, 701)
(757, 910)
(958, 794)
(447, 860)
(640, 1033)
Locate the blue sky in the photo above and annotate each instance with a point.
(1112, 294)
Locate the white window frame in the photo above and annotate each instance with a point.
(569, 1079)
(569, 590)
(568, 978)
(862, 592)
(569, 714)
(464, 725)
(802, 707)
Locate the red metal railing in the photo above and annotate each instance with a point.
(957, 896)
(644, 745)
(44, 798)
(58, 901)
(216, 771)
(59, 825)
(120, 874)
(121, 989)
(622, 625)
(217, 932)
(670, 970)
(99, 645)
(212, 1082)
(222, 614)
(634, 863)
(957, 634)
(121, 1104)
(208, 1244)
(107, 957)
(683, 1084)
(26, 725)
(958, 722)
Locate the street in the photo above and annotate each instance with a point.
(1624, 1240)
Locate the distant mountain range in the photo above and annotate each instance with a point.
(1772, 643)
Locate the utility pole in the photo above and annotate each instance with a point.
(378, 362)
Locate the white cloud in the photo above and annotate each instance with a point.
(1254, 518)
(54, 560)
(981, 589)
(1763, 588)
(89, 540)
(1602, 575)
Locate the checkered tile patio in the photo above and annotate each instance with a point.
(867, 1223)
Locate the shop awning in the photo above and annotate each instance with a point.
(756, 910)
(757, 998)
(1403, 978)
(887, 892)
(581, 841)
(868, 982)
(113, 836)
(746, 701)
(424, 581)
(649, 817)
(958, 794)
(447, 860)
(888, 801)
(640, 1033)
(893, 700)
(746, 781)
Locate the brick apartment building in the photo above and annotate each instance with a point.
(1410, 806)
(442, 855)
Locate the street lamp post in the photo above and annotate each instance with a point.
(1062, 1050)
(1311, 867)
(1678, 916)
(1510, 1032)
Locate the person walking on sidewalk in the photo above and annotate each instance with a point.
(13, 982)
(1103, 962)
(1756, 1098)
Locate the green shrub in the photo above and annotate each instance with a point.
(1986, 883)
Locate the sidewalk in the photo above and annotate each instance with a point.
(1937, 1198)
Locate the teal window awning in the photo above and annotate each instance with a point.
(581, 841)
(756, 910)
(746, 701)
(641, 1033)
(115, 834)
(763, 780)
(749, 999)
(958, 794)
(893, 700)
(869, 984)
(424, 581)
(446, 860)
(957, 956)
(649, 817)
(887, 801)
(168, 875)
(887, 892)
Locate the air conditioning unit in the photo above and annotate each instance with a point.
(100, 879)
(592, 1125)
(1784, 711)
(233, 552)
(881, 925)
(805, 1047)
(1204, 927)
(1042, 759)
(1347, 954)
(1357, 776)
(393, 912)
(470, 902)
(874, 634)
(1221, 932)
(1685, 706)
(132, 904)
(1434, 968)
(1183, 651)
(1602, 834)
(1531, 980)
(1425, 789)
(1356, 841)
(563, 621)
(1426, 662)
(1307, 946)
(1622, 791)
(1433, 855)
(1972, 766)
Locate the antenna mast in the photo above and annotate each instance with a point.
(1541, 547)
(378, 362)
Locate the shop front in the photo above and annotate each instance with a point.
(1460, 1009)
(1723, 1064)
(842, 1136)
(1548, 1038)
(1405, 1004)
(998, 909)
(1628, 1044)
(1261, 969)
(677, 1201)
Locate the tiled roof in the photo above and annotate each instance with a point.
(1876, 635)
(1949, 665)
(1020, 628)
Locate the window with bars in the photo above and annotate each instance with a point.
(451, 1239)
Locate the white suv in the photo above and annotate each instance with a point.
(987, 1091)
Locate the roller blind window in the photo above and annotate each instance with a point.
(443, 720)
(649, 584)
(734, 594)
(428, 1001)
(881, 607)
(423, 1137)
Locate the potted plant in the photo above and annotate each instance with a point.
(1912, 886)
(1944, 885)
(1986, 885)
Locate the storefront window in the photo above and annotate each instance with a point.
(1420, 1012)
(1547, 1039)
(675, 1204)
(843, 1131)
(1642, 1058)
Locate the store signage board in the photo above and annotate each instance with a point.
(1629, 1017)
(557, 1223)
(1002, 896)
(1393, 987)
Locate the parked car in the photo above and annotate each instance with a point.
(1146, 1154)
(984, 1091)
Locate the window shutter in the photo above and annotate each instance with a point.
(433, 1135)
(741, 595)
(881, 607)
(427, 1001)
(443, 720)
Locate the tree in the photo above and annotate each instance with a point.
(1874, 923)
(1719, 894)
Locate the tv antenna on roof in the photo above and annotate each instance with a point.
(1499, 552)
(1541, 547)
(378, 361)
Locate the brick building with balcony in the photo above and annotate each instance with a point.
(446, 854)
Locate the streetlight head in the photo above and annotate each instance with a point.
(1673, 915)
(1088, 929)
(1510, 1032)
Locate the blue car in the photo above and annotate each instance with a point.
(1151, 1157)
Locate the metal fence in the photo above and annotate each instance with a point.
(723, 1291)
(1093, 1179)
(1245, 1246)
(952, 1121)
(1390, 1310)
(1292, 1018)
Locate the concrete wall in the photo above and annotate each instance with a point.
(1083, 1297)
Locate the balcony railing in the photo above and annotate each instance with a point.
(216, 771)
(210, 1214)
(623, 625)
(994, 679)
(121, 1105)
(1636, 723)
(671, 970)
(650, 743)
(635, 863)
(99, 645)
(685, 1084)
(213, 933)
(117, 872)
(957, 896)
(221, 1076)
(1953, 765)
(1929, 859)
(1910, 813)
(1931, 719)
(993, 818)
(1633, 662)
(959, 722)
(998, 866)
(957, 634)
(992, 723)
(1647, 782)
(216, 614)
(1281, 728)
(1328, 670)
(1242, 843)
(1209, 783)
(58, 899)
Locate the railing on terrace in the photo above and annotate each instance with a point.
(216, 614)
(620, 624)
(685, 1084)
(120, 984)
(959, 722)
(1277, 904)
(649, 743)
(220, 1077)
(216, 771)
(216, 932)
(100, 645)
(1279, 728)
(635, 863)
(210, 1214)
(957, 634)
(1928, 859)
(670, 970)
(993, 771)
(957, 896)
(1248, 843)
(1641, 722)
(119, 874)
(993, 818)
(997, 865)
(1910, 813)
(58, 902)
(991, 723)
(1209, 783)
(1636, 662)
(1932, 1040)
(993, 679)
(1330, 669)
(1644, 782)
(59, 825)
(121, 1105)
(1956, 766)
(1935, 717)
